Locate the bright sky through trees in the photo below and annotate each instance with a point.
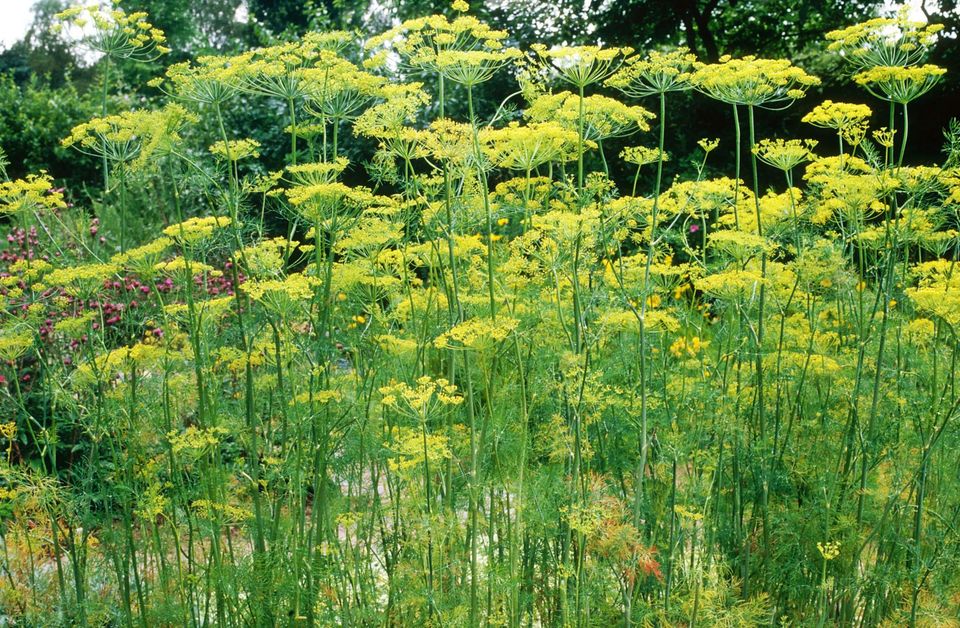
(16, 20)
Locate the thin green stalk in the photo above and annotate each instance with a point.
(482, 179)
(760, 392)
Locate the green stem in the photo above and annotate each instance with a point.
(761, 401)
(903, 141)
(103, 113)
(482, 179)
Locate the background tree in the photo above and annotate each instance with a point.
(945, 53)
(197, 26)
(712, 28)
(41, 51)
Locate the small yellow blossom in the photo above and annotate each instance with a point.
(194, 230)
(236, 150)
(829, 550)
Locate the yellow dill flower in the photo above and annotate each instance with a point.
(730, 284)
(950, 178)
(785, 154)
(853, 194)
(195, 440)
(34, 192)
(414, 305)
(25, 270)
(884, 137)
(318, 172)
(8, 430)
(753, 81)
(408, 451)
(641, 155)
(75, 327)
(476, 333)
(838, 115)
(405, 144)
(317, 397)
(141, 354)
(113, 32)
(899, 84)
(937, 292)
(450, 141)
(691, 347)
(472, 67)
(702, 198)
(603, 117)
(369, 234)
(389, 119)
(921, 179)
(897, 41)
(924, 228)
(920, 332)
(526, 147)
(266, 258)
(277, 71)
(395, 345)
(708, 145)
(143, 259)
(815, 365)
(13, 344)
(152, 503)
(236, 150)
(687, 513)
(776, 209)
(511, 193)
(209, 80)
(338, 91)
(739, 245)
(564, 228)
(656, 73)
(236, 361)
(579, 66)
(935, 273)
(829, 550)
(131, 136)
(364, 275)
(195, 229)
(629, 320)
(224, 514)
(82, 279)
(104, 366)
(322, 200)
(279, 293)
(422, 400)
(426, 42)
(185, 269)
(822, 170)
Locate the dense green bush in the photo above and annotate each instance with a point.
(34, 117)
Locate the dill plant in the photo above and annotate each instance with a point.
(484, 385)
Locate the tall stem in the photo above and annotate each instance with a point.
(903, 141)
(103, 113)
(736, 166)
(482, 179)
(292, 107)
(761, 418)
